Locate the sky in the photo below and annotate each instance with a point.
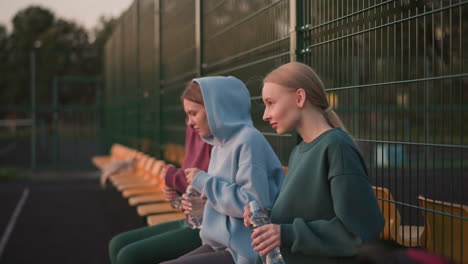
(84, 12)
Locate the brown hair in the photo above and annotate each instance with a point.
(296, 75)
(192, 93)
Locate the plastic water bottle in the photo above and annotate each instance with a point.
(195, 217)
(176, 202)
(257, 219)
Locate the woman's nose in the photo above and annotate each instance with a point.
(266, 116)
(191, 122)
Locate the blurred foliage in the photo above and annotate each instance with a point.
(3, 58)
(102, 33)
(11, 174)
(61, 47)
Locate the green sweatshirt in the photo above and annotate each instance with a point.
(326, 207)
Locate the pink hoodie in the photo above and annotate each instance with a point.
(197, 155)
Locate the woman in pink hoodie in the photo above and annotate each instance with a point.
(166, 241)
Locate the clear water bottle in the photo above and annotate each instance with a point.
(176, 202)
(257, 219)
(195, 217)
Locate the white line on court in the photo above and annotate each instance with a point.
(11, 224)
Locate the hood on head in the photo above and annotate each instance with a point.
(227, 106)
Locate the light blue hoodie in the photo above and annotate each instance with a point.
(243, 168)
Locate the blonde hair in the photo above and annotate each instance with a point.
(295, 75)
(192, 93)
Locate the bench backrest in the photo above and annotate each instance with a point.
(389, 211)
(446, 235)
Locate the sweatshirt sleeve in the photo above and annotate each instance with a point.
(358, 219)
(251, 183)
(175, 178)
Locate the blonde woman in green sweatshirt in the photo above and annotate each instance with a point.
(326, 207)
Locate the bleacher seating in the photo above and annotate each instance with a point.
(406, 235)
(446, 235)
(143, 186)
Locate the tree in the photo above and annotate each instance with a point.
(28, 26)
(65, 49)
(103, 30)
(102, 33)
(3, 60)
(3, 37)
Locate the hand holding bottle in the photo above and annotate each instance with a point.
(186, 205)
(172, 196)
(197, 204)
(169, 193)
(266, 238)
(247, 216)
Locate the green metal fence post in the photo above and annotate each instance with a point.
(55, 122)
(33, 109)
(199, 37)
(157, 62)
(99, 112)
(293, 32)
(139, 89)
(295, 36)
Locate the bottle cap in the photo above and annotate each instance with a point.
(254, 206)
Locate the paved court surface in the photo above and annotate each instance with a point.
(60, 221)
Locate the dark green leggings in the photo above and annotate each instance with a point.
(153, 244)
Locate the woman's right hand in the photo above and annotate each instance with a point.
(186, 205)
(169, 193)
(247, 215)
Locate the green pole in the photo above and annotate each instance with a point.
(158, 93)
(33, 109)
(296, 40)
(55, 121)
(294, 34)
(199, 37)
(99, 112)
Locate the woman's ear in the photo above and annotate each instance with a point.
(301, 97)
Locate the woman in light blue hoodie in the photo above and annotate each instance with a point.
(243, 168)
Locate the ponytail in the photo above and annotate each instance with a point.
(333, 119)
